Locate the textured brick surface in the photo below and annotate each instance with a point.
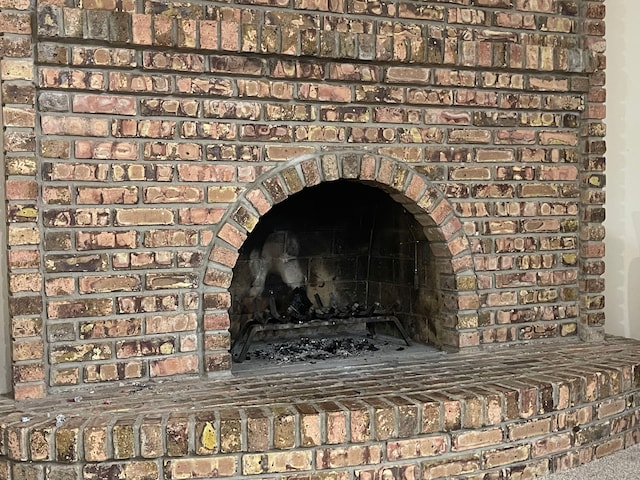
(537, 409)
(144, 142)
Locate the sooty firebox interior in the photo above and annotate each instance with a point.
(341, 250)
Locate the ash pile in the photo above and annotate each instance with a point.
(310, 350)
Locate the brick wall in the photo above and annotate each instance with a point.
(144, 142)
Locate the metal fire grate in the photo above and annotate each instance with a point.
(247, 334)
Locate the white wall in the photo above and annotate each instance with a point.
(623, 169)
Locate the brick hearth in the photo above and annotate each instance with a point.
(505, 413)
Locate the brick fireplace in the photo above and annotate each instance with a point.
(444, 155)
(146, 144)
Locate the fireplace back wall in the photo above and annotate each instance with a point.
(144, 142)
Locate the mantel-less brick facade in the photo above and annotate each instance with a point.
(144, 140)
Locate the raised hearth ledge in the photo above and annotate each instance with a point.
(499, 413)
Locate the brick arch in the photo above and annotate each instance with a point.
(441, 226)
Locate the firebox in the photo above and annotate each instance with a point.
(335, 256)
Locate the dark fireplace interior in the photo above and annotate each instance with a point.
(332, 250)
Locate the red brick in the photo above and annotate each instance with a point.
(174, 366)
(118, 105)
(202, 467)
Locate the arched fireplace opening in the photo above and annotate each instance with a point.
(341, 257)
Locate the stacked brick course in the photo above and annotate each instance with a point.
(144, 140)
(517, 414)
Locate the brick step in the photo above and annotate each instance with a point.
(497, 413)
